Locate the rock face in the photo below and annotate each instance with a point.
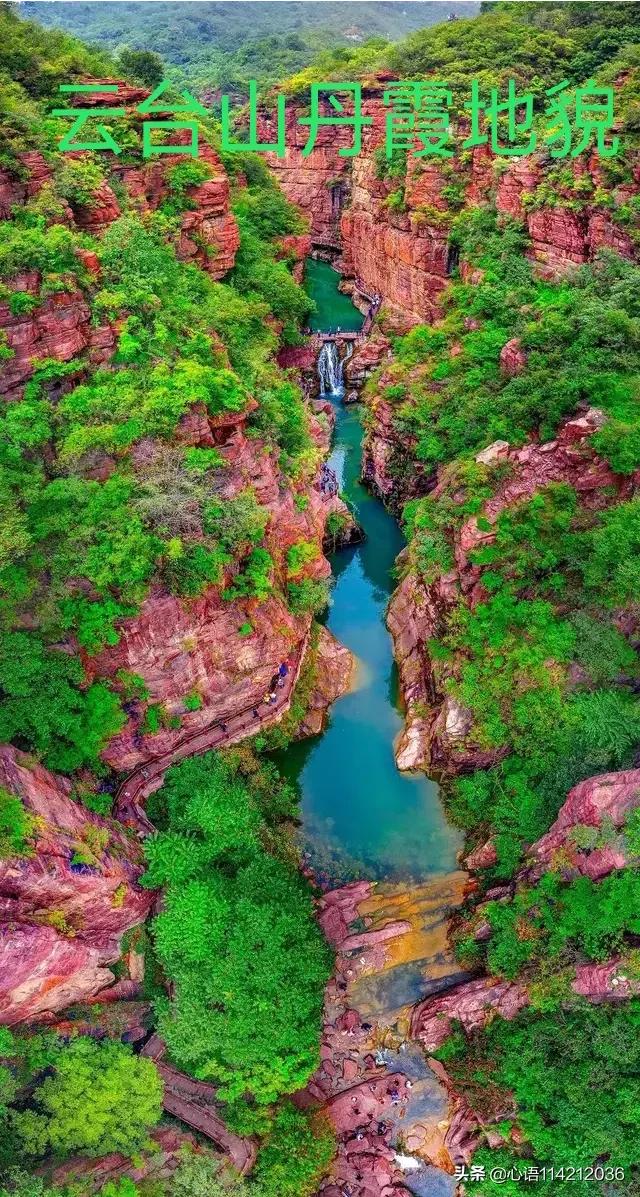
(169, 1148)
(367, 355)
(400, 252)
(393, 232)
(438, 731)
(475, 1004)
(602, 804)
(333, 669)
(65, 908)
(224, 651)
(58, 327)
(318, 183)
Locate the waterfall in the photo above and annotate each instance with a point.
(330, 370)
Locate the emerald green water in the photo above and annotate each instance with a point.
(361, 815)
(335, 310)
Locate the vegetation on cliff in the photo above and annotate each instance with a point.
(106, 495)
(236, 937)
(541, 653)
(553, 575)
(92, 520)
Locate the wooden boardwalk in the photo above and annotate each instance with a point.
(194, 1102)
(225, 730)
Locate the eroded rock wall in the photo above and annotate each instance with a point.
(394, 231)
(439, 732)
(65, 906)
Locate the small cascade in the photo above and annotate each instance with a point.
(330, 370)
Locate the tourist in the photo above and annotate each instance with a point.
(255, 713)
(283, 669)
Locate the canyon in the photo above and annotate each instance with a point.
(393, 232)
(397, 991)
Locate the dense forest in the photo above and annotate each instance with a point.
(218, 45)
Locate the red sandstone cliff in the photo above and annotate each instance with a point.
(59, 326)
(64, 908)
(221, 653)
(394, 232)
(602, 804)
(224, 651)
(438, 732)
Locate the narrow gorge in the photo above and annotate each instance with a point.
(319, 675)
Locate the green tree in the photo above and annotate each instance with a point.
(101, 1098)
(238, 939)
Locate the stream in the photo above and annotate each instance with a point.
(361, 816)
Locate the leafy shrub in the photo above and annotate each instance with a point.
(308, 597)
(299, 555)
(16, 826)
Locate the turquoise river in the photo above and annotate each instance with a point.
(361, 815)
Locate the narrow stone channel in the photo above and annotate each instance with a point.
(362, 817)
(382, 836)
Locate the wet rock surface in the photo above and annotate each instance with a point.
(389, 1109)
(333, 671)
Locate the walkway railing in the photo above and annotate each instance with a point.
(148, 776)
(318, 339)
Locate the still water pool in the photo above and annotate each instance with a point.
(335, 310)
(361, 815)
